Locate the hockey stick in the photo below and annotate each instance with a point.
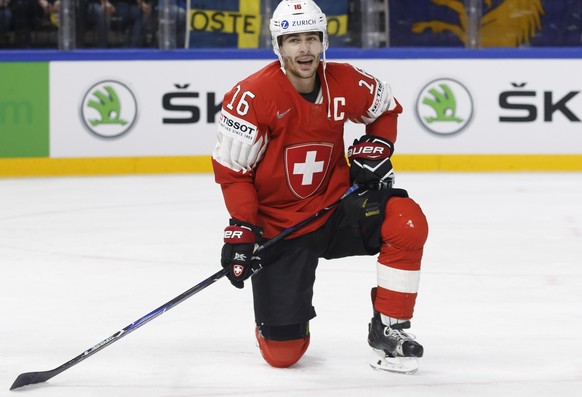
(29, 378)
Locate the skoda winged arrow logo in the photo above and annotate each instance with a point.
(109, 109)
(444, 107)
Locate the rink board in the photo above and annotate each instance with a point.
(498, 111)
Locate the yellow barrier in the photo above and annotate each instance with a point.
(18, 167)
(103, 166)
(488, 162)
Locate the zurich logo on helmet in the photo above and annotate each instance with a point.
(285, 24)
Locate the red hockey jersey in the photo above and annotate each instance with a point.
(280, 158)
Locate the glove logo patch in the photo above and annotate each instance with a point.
(306, 166)
(240, 257)
(237, 270)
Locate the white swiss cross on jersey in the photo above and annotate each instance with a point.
(306, 166)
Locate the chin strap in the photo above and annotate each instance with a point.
(326, 87)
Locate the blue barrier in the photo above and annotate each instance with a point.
(333, 53)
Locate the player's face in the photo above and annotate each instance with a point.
(300, 52)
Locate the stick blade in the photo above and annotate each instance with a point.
(30, 378)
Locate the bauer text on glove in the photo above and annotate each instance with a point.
(370, 164)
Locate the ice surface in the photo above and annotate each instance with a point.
(499, 311)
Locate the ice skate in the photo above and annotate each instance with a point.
(394, 349)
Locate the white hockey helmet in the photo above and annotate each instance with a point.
(297, 16)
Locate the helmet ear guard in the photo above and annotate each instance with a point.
(297, 16)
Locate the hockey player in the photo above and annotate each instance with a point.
(280, 157)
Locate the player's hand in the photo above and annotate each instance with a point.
(237, 252)
(370, 164)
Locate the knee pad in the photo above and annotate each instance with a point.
(283, 346)
(404, 225)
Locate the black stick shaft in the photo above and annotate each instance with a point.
(29, 378)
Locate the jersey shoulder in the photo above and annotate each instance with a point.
(345, 76)
(257, 97)
(342, 69)
(263, 79)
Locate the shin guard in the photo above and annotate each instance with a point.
(404, 232)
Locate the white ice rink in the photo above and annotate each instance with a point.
(499, 310)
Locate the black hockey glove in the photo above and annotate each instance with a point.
(237, 252)
(370, 164)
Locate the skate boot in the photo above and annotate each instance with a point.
(395, 350)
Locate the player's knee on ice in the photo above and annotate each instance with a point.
(283, 346)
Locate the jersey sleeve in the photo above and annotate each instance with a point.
(241, 143)
(380, 109)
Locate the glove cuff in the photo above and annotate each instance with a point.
(257, 231)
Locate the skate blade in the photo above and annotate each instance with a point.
(399, 365)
